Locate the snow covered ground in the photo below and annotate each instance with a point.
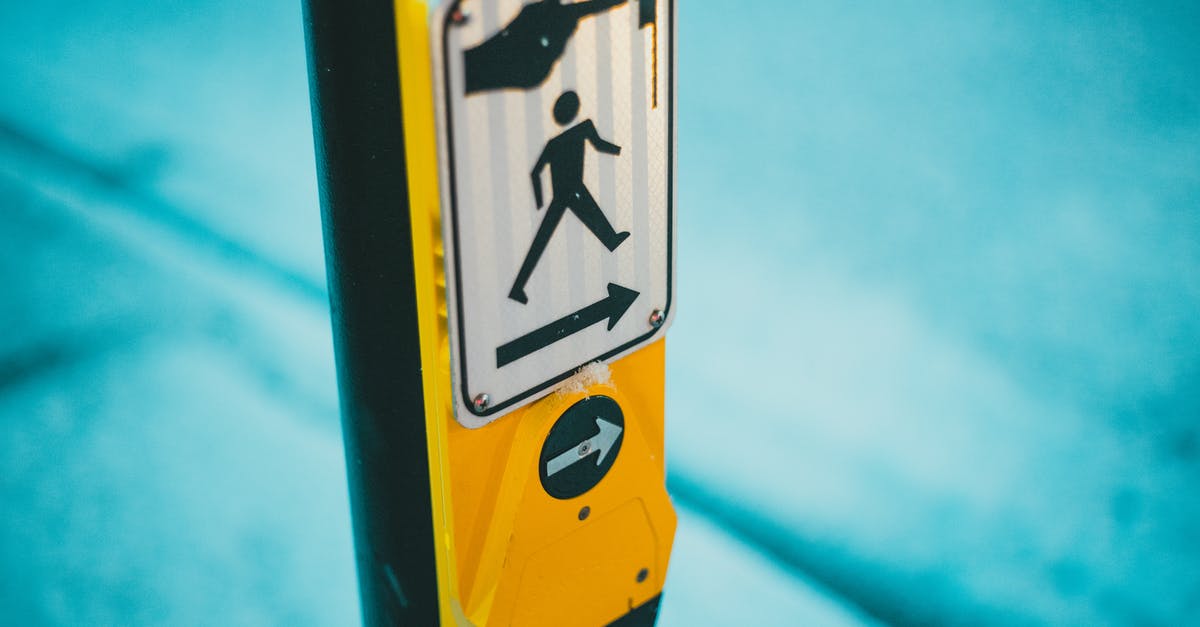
(935, 361)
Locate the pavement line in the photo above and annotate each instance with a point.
(112, 182)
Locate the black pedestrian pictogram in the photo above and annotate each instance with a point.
(524, 52)
(564, 155)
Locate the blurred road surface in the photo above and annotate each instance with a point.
(935, 363)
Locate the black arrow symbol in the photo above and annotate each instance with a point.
(613, 307)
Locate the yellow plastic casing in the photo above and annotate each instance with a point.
(507, 552)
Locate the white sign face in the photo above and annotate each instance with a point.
(556, 159)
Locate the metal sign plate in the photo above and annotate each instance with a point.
(556, 154)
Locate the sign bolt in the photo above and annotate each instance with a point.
(482, 401)
(657, 318)
(460, 16)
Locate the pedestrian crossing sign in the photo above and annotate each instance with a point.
(556, 150)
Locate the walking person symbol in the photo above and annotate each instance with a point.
(564, 155)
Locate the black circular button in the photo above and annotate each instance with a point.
(581, 446)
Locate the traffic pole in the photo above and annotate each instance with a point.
(505, 458)
(372, 294)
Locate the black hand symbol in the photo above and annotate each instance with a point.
(524, 52)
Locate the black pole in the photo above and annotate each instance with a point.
(355, 86)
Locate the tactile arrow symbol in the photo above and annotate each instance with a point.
(611, 308)
(600, 443)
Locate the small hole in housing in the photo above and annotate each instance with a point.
(585, 512)
(642, 574)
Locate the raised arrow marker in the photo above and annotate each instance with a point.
(601, 442)
(611, 308)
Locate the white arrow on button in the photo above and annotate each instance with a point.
(601, 442)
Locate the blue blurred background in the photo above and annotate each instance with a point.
(937, 356)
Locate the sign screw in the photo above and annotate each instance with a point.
(460, 16)
(657, 318)
(482, 401)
